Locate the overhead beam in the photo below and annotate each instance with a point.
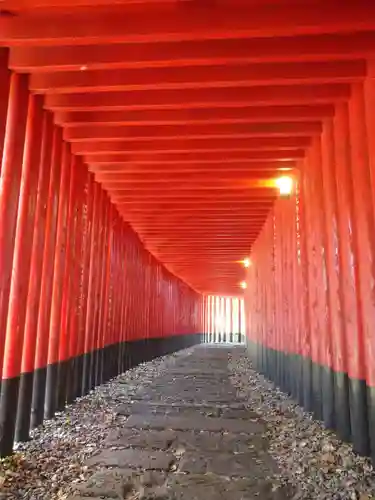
(219, 130)
(183, 21)
(122, 171)
(181, 178)
(193, 53)
(192, 145)
(257, 114)
(203, 204)
(199, 97)
(142, 188)
(196, 76)
(193, 158)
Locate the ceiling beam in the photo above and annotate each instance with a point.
(181, 178)
(199, 97)
(218, 130)
(192, 145)
(257, 114)
(193, 53)
(179, 21)
(194, 158)
(198, 76)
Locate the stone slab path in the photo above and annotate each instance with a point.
(188, 436)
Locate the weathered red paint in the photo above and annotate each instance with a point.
(10, 181)
(46, 284)
(16, 316)
(60, 257)
(364, 216)
(39, 236)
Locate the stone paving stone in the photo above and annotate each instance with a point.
(217, 442)
(135, 438)
(133, 459)
(211, 487)
(194, 424)
(188, 436)
(121, 483)
(145, 409)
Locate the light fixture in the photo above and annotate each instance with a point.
(243, 285)
(246, 262)
(285, 185)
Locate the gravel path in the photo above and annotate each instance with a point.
(317, 463)
(46, 467)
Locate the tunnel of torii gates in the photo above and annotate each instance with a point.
(158, 156)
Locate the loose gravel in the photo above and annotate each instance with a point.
(53, 461)
(313, 459)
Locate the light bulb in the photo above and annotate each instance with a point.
(285, 185)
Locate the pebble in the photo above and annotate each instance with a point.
(47, 466)
(312, 458)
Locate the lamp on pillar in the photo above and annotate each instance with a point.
(285, 186)
(243, 285)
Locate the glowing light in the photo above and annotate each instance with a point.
(246, 262)
(243, 285)
(285, 185)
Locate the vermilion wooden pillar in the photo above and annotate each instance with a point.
(4, 94)
(91, 289)
(68, 280)
(369, 106)
(97, 305)
(365, 235)
(348, 256)
(20, 275)
(303, 298)
(71, 356)
(323, 287)
(87, 224)
(57, 286)
(33, 298)
(103, 344)
(46, 283)
(314, 385)
(336, 284)
(10, 180)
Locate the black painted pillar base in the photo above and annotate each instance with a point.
(328, 397)
(24, 407)
(371, 419)
(39, 391)
(86, 374)
(63, 383)
(8, 413)
(51, 390)
(359, 416)
(342, 412)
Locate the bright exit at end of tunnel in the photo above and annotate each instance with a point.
(187, 249)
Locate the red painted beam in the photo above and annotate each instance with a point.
(159, 158)
(153, 117)
(121, 132)
(171, 22)
(180, 178)
(231, 51)
(230, 194)
(198, 76)
(4, 94)
(199, 97)
(189, 145)
(126, 172)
